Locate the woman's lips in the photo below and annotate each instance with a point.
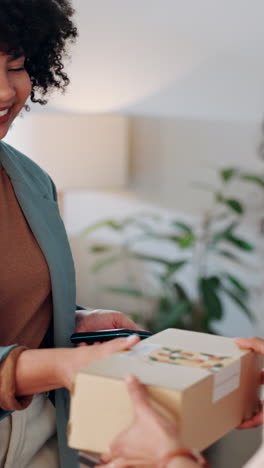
(4, 118)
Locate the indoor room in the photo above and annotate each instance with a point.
(156, 151)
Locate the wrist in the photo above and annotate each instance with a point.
(64, 367)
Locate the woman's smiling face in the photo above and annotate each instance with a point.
(15, 88)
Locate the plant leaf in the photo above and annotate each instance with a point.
(182, 241)
(173, 267)
(184, 227)
(149, 258)
(258, 180)
(208, 290)
(136, 317)
(239, 302)
(235, 205)
(228, 174)
(207, 328)
(105, 262)
(219, 197)
(186, 241)
(110, 223)
(173, 315)
(221, 235)
(236, 283)
(124, 290)
(231, 203)
(214, 281)
(182, 295)
(100, 248)
(240, 243)
(229, 255)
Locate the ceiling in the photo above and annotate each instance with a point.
(186, 58)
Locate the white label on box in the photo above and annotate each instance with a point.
(227, 380)
(141, 349)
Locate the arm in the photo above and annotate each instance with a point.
(48, 369)
(42, 370)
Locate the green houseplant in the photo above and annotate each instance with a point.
(198, 246)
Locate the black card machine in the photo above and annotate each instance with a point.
(100, 336)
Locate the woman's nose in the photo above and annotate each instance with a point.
(7, 90)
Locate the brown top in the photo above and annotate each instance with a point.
(25, 290)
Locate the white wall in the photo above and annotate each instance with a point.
(168, 57)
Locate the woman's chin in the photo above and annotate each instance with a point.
(3, 134)
(4, 129)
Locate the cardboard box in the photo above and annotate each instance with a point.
(204, 380)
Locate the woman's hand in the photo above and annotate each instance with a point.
(84, 355)
(256, 345)
(102, 320)
(149, 438)
(41, 370)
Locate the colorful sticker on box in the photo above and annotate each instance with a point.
(179, 357)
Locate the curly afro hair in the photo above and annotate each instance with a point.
(41, 31)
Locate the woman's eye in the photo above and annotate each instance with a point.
(17, 69)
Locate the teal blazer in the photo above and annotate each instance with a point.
(37, 198)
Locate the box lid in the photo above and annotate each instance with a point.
(175, 359)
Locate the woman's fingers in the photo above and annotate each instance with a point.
(256, 421)
(138, 393)
(253, 344)
(106, 457)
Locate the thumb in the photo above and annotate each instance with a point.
(138, 393)
(252, 344)
(119, 344)
(256, 421)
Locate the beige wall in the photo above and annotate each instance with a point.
(168, 154)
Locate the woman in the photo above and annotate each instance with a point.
(153, 441)
(37, 281)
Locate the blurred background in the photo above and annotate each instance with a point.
(158, 161)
